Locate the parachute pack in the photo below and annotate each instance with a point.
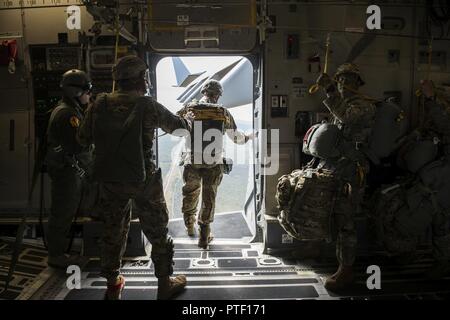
(306, 201)
(208, 119)
(388, 128)
(325, 140)
(400, 216)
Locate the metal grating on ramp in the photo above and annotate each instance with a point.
(30, 272)
(226, 271)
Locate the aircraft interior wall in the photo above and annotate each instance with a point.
(385, 76)
(292, 52)
(391, 65)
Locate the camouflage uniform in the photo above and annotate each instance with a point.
(153, 216)
(205, 179)
(202, 177)
(63, 151)
(122, 126)
(351, 170)
(354, 115)
(125, 169)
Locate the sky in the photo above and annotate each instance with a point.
(165, 78)
(234, 187)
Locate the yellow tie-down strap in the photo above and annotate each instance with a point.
(209, 113)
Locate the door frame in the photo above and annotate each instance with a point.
(253, 205)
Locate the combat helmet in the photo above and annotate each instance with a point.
(74, 83)
(128, 67)
(349, 68)
(212, 88)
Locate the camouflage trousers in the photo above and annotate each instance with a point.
(344, 223)
(205, 179)
(346, 206)
(153, 216)
(66, 189)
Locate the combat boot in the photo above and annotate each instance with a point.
(114, 291)
(170, 287)
(205, 236)
(438, 271)
(190, 230)
(341, 279)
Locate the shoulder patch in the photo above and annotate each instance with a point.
(74, 122)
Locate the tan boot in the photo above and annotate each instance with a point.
(114, 291)
(190, 230)
(205, 236)
(169, 287)
(341, 279)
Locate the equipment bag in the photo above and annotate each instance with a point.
(306, 201)
(436, 177)
(400, 216)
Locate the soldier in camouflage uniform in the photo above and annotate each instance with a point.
(63, 159)
(354, 114)
(122, 127)
(437, 122)
(199, 175)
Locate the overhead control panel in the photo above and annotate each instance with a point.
(63, 58)
(48, 63)
(212, 26)
(99, 62)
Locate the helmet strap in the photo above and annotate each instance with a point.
(212, 98)
(141, 86)
(77, 100)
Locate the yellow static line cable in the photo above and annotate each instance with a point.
(419, 92)
(314, 88)
(116, 49)
(428, 74)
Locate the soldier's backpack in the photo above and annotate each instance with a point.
(400, 216)
(388, 128)
(208, 127)
(306, 201)
(322, 141)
